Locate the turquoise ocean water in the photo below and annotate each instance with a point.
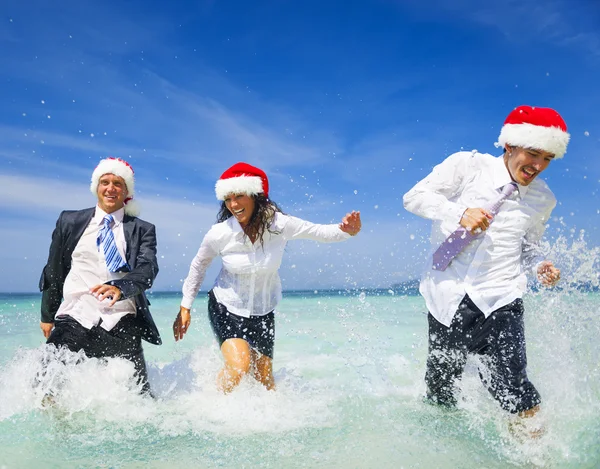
(349, 369)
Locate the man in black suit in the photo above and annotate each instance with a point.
(101, 261)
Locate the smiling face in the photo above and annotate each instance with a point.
(112, 192)
(524, 164)
(241, 207)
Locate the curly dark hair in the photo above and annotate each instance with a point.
(261, 220)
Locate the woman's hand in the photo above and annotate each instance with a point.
(351, 223)
(182, 323)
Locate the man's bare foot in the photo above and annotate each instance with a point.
(527, 425)
(48, 401)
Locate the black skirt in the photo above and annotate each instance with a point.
(258, 331)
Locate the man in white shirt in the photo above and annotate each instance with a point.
(101, 261)
(489, 215)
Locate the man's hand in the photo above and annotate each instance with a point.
(103, 291)
(547, 274)
(351, 223)
(46, 328)
(476, 220)
(182, 323)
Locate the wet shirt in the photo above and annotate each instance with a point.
(491, 269)
(88, 269)
(248, 283)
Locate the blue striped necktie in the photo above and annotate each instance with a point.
(106, 239)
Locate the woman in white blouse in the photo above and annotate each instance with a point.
(250, 237)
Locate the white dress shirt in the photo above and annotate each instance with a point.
(88, 269)
(492, 268)
(248, 283)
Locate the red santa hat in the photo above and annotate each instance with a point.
(539, 128)
(121, 168)
(242, 178)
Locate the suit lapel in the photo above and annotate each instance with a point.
(80, 223)
(128, 229)
(73, 232)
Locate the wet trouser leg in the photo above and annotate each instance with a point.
(500, 341)
(123, 341)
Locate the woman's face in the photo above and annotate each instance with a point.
(241, 207)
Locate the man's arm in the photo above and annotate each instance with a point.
(430, 197)
(146, 266)
(52, 279)
(533, 255)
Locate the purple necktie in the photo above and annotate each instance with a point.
(457, 241)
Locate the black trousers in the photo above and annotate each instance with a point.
(498, 339)
(123, 340)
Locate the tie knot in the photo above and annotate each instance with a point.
(108, 219)
(509, 188)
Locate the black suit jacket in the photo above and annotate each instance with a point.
(141, 257)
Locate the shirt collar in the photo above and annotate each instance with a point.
(501, 176)
(117, 216)
(235, 225)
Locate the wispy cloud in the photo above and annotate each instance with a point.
(571, 24)
(179, 125)
(382, 254)
(188, 137)
(22, 136)
(337, 131)
(555, 21)
(30, 205)
(589, 40)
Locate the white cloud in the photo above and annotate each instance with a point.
(382, 254)
(30, 205)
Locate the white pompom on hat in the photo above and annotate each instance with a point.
(242, 178)
(538, 128)
(120, 168)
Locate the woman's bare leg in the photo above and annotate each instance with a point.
(263, 369)
(237, 356)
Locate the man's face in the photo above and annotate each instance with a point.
(524, 164)
(112, 192)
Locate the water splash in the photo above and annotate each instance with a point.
(349, 372)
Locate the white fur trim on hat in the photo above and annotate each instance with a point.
(132, 207)
(119, 168)
(551, 139)
(249, 185)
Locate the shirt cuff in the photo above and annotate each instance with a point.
(187, 302)
(453, 212)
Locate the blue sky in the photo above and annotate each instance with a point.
(345, 105)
